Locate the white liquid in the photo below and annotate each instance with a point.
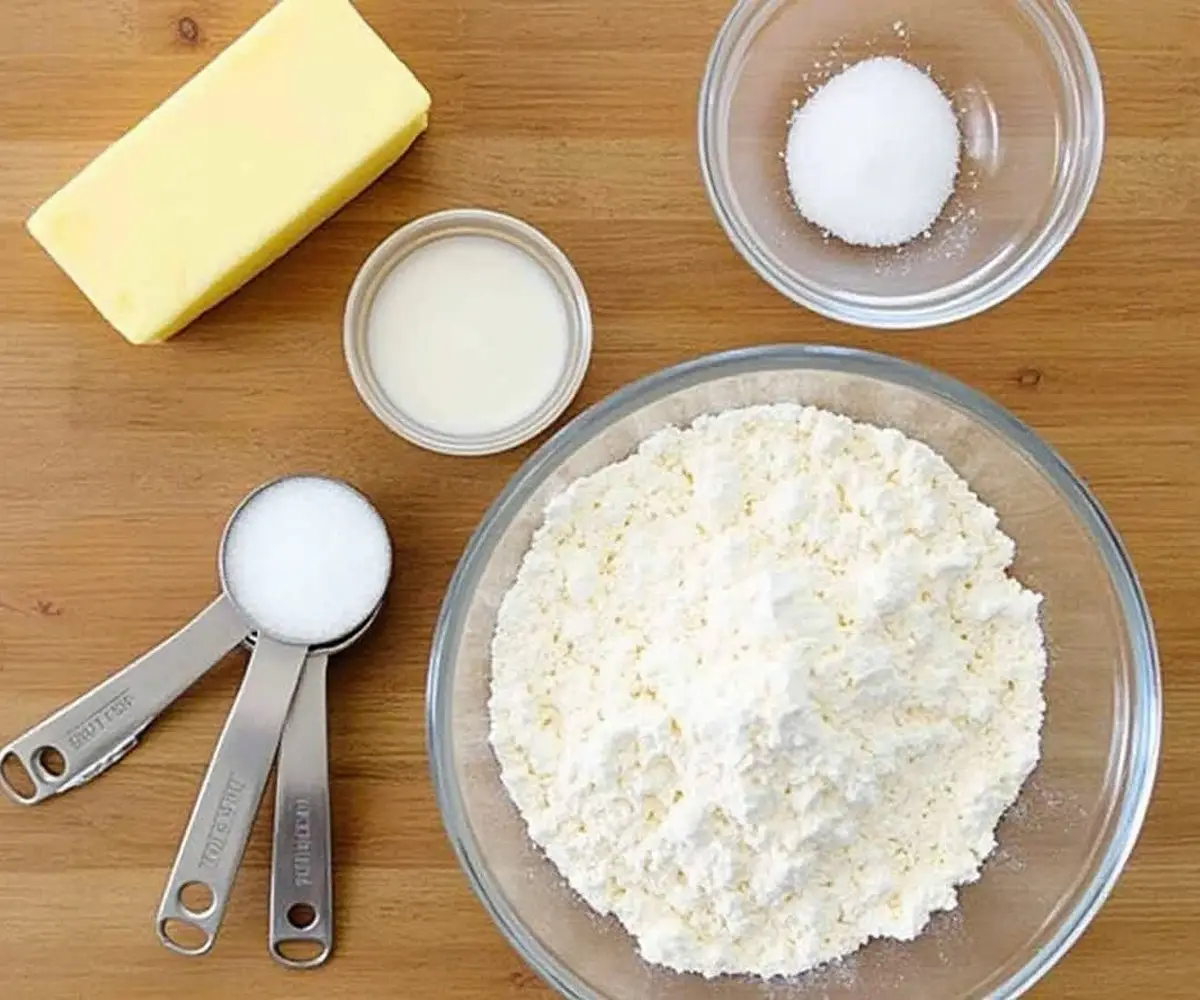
(307, 560)
(468, 335)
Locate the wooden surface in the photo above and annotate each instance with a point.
(119, 465)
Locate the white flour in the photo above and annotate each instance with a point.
(764, 689)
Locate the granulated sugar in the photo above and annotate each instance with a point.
(307, 559)
(872, 155)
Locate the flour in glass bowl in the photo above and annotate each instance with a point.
(764, 689)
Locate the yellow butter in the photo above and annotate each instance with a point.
(285, 126)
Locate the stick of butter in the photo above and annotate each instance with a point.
(284, 127)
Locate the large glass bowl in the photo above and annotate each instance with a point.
(1026, 87)
(1063, 844)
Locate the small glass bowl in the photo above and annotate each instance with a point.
(467, 222)
(1025, 84)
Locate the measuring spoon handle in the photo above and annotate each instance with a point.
(211, 852)
(301, 930)
(95, 731)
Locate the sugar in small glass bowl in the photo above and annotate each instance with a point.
(1026, 89)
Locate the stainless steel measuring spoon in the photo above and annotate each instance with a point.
(301, 911)
(301, 900)
(87, 737)
(198, 888)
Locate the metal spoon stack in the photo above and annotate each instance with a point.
(278, 717)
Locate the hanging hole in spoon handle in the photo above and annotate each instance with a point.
(81, 741)
(301, 912)
(219, 829)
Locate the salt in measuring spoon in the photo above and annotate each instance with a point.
(306, 560)
(87, 737)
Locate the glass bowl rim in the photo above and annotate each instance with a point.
(958, 300)
(1143, 740)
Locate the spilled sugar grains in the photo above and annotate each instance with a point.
(872, 156)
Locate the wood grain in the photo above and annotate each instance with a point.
(118, 466)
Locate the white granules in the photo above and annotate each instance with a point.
(872, 156)
(307, 559)
(764, 689)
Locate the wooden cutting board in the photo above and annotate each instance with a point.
(118, 465)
